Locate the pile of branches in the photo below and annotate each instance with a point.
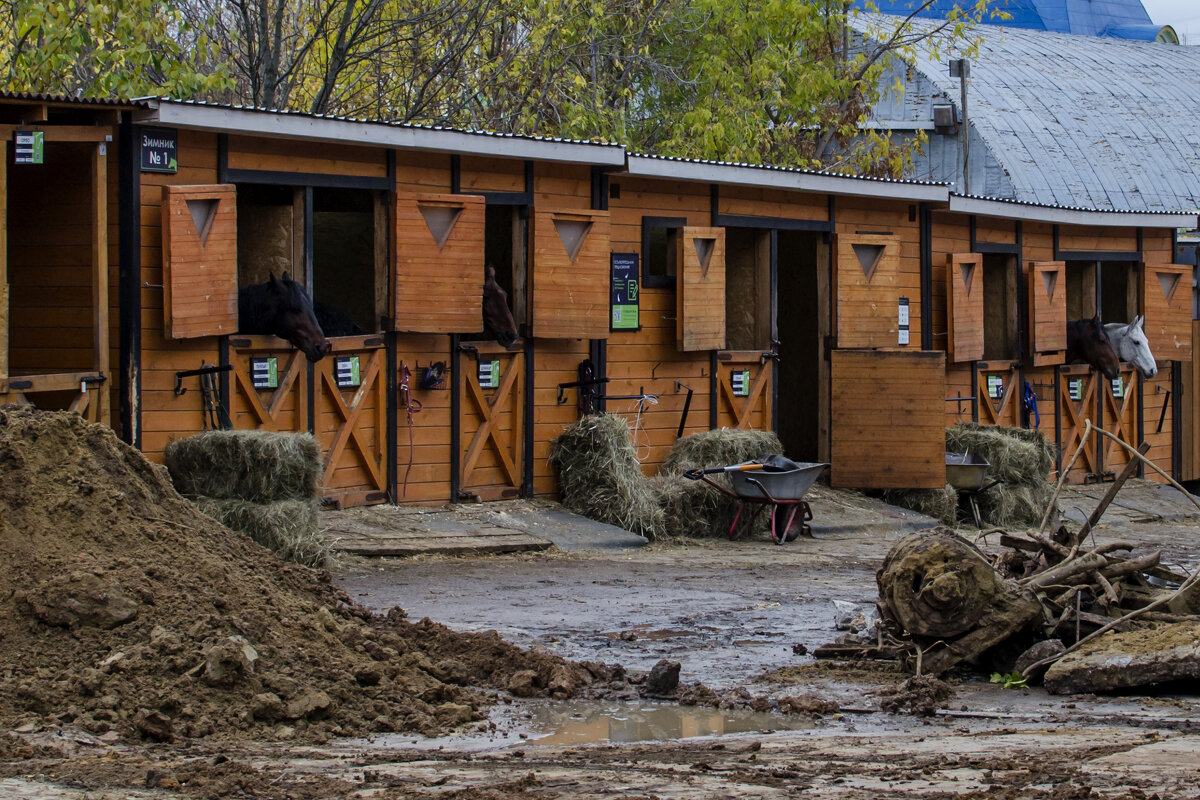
(944, 601)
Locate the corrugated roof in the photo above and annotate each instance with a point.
(405, 125)
(796, 170)
(40, 97)
(1085, 122)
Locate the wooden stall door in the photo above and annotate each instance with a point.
(1167, 304)
(964, 306)
(868, 290)
(1048, 312)
(439, 263)
(1119, 414)
(745, 390)
(491, 385)
(350, 423)
(571, 250)
(888, 419)
(998, 385)
(268, 390)
(200, 282)
(700, 289)
(1078, 389)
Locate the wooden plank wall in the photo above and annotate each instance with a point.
(557, 360)
(1157, 420)
(49, 262)
(165, 415)
(875, 312)
(647, 360)
(428, 478)
(282, 155)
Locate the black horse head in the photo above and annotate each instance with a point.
(496, 315)
(1086, 341)
(280, 307)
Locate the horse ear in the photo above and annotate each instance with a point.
(1140, 321)
(271, 277)
(1096, 319)
(286, 278)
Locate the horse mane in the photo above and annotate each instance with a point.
(254, 311)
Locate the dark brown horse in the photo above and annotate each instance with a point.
(280, 307)
(1087, 341)
(497, 317)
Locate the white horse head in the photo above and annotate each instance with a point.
(1129, 340)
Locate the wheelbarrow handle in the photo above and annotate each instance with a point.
(695, 474)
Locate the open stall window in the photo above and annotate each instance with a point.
(270, 235)
(1000, 319)
(747, 289)
(659, 244)
(1107, 288)
(506, 247)
(350, 276)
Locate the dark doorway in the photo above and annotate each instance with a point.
(344, 254)
(800, 349)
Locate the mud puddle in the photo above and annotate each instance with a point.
(584, 722)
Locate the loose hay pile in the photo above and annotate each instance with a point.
(1023, 459)
(261, 483)
(123, 608)
(600, 478)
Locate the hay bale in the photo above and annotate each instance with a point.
(693, 509)
(289, 527)
(600, 478)
(941, 504)
(719, 448)
(1016, 504)
(1016, 455)
(254, 466)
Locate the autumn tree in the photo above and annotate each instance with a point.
(128, 48)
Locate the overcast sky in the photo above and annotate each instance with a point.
(1182, 15)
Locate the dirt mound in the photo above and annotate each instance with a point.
(122, 607)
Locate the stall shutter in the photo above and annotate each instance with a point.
(964, 306)
(700, 289)
(1167, 304)
(869, 288)
(1048, 312)
(570, 274)
(199, 230)
(439, 263)
(888, 419)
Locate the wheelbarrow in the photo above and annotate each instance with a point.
(967, 473)
(766, 484)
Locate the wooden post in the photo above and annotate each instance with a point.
(100, 277)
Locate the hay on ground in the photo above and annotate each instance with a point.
(719, 448)
(256, 466)
(289, 527)
(693, 509)
(600, 477)
(1015, 505)
(941, 504)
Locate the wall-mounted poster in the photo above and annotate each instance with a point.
(625, 285)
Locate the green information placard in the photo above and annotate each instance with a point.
(625, 285)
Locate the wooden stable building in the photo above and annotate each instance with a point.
(856, 317)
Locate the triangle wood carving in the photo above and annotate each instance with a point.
(440, 221)
(704, 251)
(868, 257)
(968, 275)
(1168, 282)
(573, 233)
(1050, 280)
(203, 211)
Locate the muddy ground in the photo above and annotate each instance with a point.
(735, 615)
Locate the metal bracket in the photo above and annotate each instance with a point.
(179, 376)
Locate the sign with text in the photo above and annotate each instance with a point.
(160, 150)
(624, 285)
(264, 372)
(347, 372)
(29, 147)
(489, 374)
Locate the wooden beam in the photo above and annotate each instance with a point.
(49, 382)
(62, 133)
(100, 330)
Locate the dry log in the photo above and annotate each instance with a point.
(1061, 574)
(1129, 566)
